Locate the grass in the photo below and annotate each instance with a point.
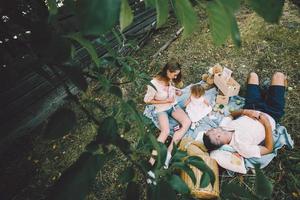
(31, 165)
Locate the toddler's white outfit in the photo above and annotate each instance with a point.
(197, 109)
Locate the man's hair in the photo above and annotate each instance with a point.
(208, 144)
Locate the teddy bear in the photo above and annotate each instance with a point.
(209, 78)
(179, 85)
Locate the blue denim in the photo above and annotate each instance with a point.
(169, 111)
(272, 103)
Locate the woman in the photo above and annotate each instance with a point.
(162, 95)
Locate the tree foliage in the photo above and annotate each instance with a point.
(55, 48)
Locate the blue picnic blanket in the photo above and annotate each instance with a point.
(280, 135)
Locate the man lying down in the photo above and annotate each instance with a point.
(250, 130)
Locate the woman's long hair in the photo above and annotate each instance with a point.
(172, 66)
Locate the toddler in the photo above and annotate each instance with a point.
(197, 106)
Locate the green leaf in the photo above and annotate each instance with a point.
(186, 15)
(270, 10)
(263, 187)
(129, 107)
(104, 82)
(162, 9)
(87, 45)
(126, 68)
(73, 51)
(200, 164)
(161, 149)
(205, 180)
(109, 129)
(97, 16)
(186, 169)
(179, 155)
(163, 191)
(126, 16)
(175, 149)
(232, 5)
(75, 182)
(92, 147)
(115, 90)
(127, 175)
(222, 21)
(235, 191)
(60, 123)
(178, 184)
(150, 3)
(123, 145)
(162, 154)
(132, 191)
(235, 33)
(52, 7)
(127, 126)
(128, 71)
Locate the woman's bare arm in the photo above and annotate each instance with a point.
(153, 101)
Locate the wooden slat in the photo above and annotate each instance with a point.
(34, 115)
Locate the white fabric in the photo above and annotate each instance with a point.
(248, 134)
(197, 109)
(199, 137)
(230, 161)
(160, 92)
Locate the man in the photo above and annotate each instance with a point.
(250, 130)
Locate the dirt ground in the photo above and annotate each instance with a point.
(29, 171)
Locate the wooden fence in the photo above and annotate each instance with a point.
(31, 99)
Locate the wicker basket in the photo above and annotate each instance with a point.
(201, 193)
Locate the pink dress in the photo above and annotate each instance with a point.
(161, 92)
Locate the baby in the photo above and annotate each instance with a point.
(197, 106)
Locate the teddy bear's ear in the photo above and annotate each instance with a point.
(217, 69)
(204, 77)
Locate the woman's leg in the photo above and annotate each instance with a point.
(185, 122)
(163, 121)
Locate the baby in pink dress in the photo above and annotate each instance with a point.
(197, 106)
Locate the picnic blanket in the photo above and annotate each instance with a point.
(280, 135)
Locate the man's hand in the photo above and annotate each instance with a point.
(269, 143)
(262, 118)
